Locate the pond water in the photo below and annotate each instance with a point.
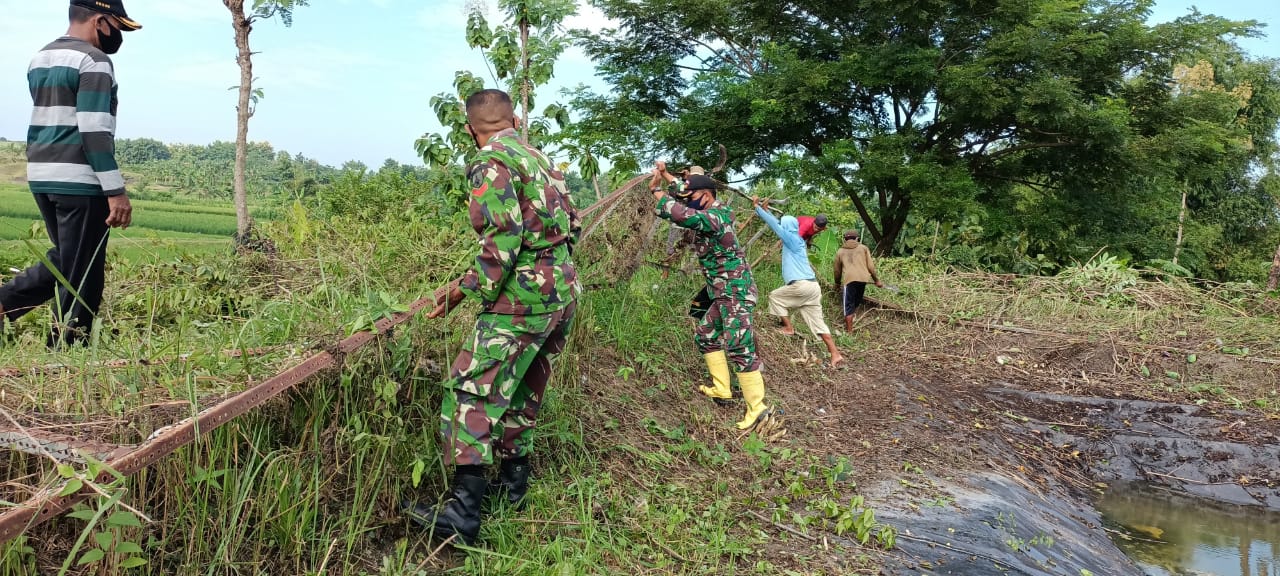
(1171, 535)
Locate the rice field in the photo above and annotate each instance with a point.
(160, 230)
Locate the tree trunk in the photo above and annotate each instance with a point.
(892, 224)
(524, 78)
(242, 26)
(1182, 216)
(595, 182)
(933, 251)
(1274, 281)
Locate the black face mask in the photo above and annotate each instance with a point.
(697, 204)
(110, 43)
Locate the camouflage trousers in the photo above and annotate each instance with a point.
(496, 384)
(727, 326)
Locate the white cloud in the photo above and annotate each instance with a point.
(589, 18)
(448, 19)
(180, 11)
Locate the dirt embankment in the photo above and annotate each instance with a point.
(986, 449)
(1023, 431)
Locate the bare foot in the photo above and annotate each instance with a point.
(836, 359)
(787, 331)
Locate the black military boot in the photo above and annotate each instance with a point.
(460, 514)
(513, 482)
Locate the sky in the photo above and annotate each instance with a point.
(352, 79)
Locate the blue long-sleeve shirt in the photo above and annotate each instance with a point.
(795, 257)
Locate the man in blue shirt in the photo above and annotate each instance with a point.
(800, 291)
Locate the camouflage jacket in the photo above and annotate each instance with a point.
(723, 261)
(527, 225)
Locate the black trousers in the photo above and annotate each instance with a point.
(853, 294)
(77, 226)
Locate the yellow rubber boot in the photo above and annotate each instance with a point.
(753, 392)
(718, 366)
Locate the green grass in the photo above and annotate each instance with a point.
(160, 230)
(15, 228)
(182, 207)
(635, 473)
(16, 202)
(180, 215)
(310, 485)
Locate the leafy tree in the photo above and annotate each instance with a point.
(940, 109)
(207, 170)
(243, 22)
(1273, 280)
(140, 150)
(355, 166)
(1270, 185)
(521, 51)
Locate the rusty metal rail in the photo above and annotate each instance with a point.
(128, 460)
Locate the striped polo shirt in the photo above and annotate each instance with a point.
(71, 140)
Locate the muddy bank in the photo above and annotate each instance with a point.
(1228, 457)
(1038, 462)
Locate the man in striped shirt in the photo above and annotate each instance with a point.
(71, 168)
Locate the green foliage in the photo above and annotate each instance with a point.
(521, 51)
(107, 523)
(369, 197)
(267, 9)
(205, 170)
(857, 520)
(1169, 268)
(382, 305)
(1104, 280)
(208, 288)
(1049, 129)
(140, 151)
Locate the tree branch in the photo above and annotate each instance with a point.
(852, 193)
(913, 110)
(721, 55)
(692, 68)
(746, 58)
(1037, 185)
(264, 15)
(897, 119)
(1001, 153)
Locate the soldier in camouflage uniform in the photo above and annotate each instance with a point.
(724, 332)
(526, 282)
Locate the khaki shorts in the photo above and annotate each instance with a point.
(804, 296)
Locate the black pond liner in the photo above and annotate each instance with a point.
(997, 524)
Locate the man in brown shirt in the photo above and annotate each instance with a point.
(854, 268)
